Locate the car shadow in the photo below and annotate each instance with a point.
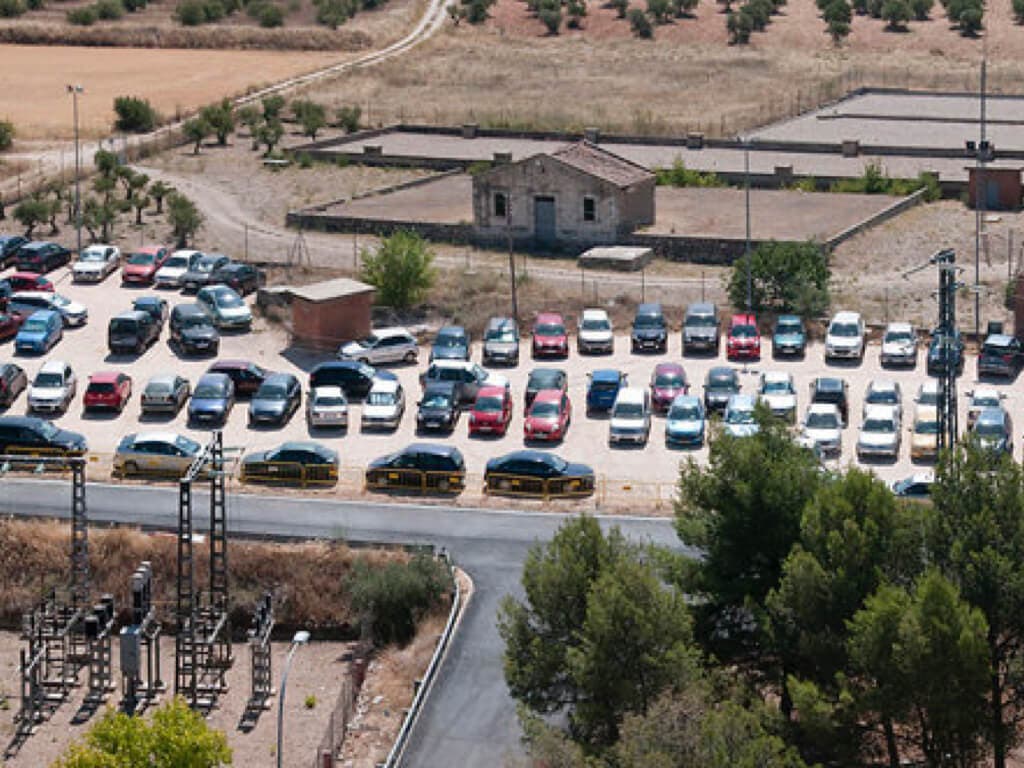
(158, 417)
(97, 414)
(844, 363)
(878, 461)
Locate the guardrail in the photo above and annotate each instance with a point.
(508, 484)
(288, 473)
(407, 479)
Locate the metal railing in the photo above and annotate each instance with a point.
(288, 473)
(415, 480)
(507, 484)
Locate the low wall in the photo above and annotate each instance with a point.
(320, 222)
(871, 221)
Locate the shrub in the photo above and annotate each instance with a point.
(896, 13)
(311, 115)
(921, 8)
(684, 7)
(785, 277)
(35, 5)
(82, 17)
(760, 12)
(1018, 11)
(334, 13)
(11, 8)
(620, 6)
(348, 118)
(189, 13)
(272, 106)
(310, 702)
(271, 16)
(401, 269)
(576, 9)
(874, 8)
(134, 5)
(6, 134)
(640, 24)
(109, 10)
(134, 115)
(392, 598)
(659, 10)
(970, 20)
(551, 14)
(838, 16)
(740, 26)
(304, 160)
(681, 176)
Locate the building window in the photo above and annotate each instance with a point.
(500, 205)
(589, 209)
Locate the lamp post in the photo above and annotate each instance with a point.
(746, 195)
(74, 90)
(301, 638)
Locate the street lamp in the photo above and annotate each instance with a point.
(74, 90)
(746, 195)
(301, 638)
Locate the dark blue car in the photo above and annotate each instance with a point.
(602, 388)
(451, 343)
(212, 399)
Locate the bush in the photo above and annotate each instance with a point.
(640, 24)
(6, 134)
(785, 277)
(109, 10)
(82, 17)
(134, 115)
(551, 14)
(35, 5)
(921, 8)
(659, 10)
(334, 13)
(760, 13)
(401, 269)
(348, 118)
(970, 20)
(271, 16)
(393, 598)
(272, 106)
(896, 13)
(1018, 11)
(134, 5)
(681, 176)
(191, 13)
(11, 8)
(576, 9)
(620, 6)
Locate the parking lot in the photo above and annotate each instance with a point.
(623, 473)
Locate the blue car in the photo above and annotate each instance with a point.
(789, 336)
(40, 332)
(685, 421)
(451, 343)
(602, 388)
(212, 399)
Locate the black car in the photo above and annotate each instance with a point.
(354, 378)
(419, 467)
(212, 399)
(132, 331)
(649, 330)
(193, 331)
(537, 473)
(277, 398)
(13, 381)
(24, 434)
(945, 347)
(243, 278)
(41, 257)
(304, 462)
(720, 384)
(451, 343)
(1001, 355)
(154, 306)
(200, 273)
(439, 407)
(545, 378)
(9, 245)
(831, 389)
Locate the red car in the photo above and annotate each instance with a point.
(491, 412)
(744, 338)
(140, 267)
(108, 389)
(10, 322)
(28, 281)
(549, 416)
(667, 381)
(549, 336)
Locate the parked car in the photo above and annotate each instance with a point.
(326, 406)
(18, 282)
(309, 456)
(39, 332)
(438, 408)
(110, 390)
(789, 338)
(141, 265)
(53, 387)
(603, 387)
(823, 428)
(550, 338)
(945, 347)
(927, 393)
(468, 377)
(649, 329)
(501, 342)
(595, 334)
(899, 345)
(924, 443)
(193, 331)
(916, 486)
(278, 397)
(701, 328)
(981, 398)
(548, 416)
(227, 310)
(165, 453)
(630, 420)
(10, 324)
(491, 412)
(96, 263)
(1001, 355)
(200, 271)
(246, 376)
(26, 302)
(212, 399)
(131, 332)
(41, 257)
(154, 306)
(242, 278)
(993, 429)
(384, 405)
(165, 393)
(744, 342)
(451, 343)
(384, 345)
(31, 435)
(879, 433)
(831, 389)
(720, 384)
(778, 392)
(9, 245)
(738, 419)
(355, 379)
(685, 422)
(544, 378)
(420, 467)
(13, 381)
(174, 268)
(845, 337)
(533, 472)
(884, 392)
(667, 382)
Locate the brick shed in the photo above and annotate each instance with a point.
(1002, 188)
(578, 196)
(332, 312)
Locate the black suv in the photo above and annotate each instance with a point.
(942, 348)
(25, 433)
(132, 331)
(9, 245)
(1001, 355)
(439, 407)
(243, 278)
(201, 273)
(193, 331)
(721, 383)
(41, 257)
(831, 389)
(419, 467)
(354, 378)
(649, 331)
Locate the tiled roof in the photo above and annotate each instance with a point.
(591, 159)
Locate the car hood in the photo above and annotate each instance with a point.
(667, 393)
(717, 396)
(898, 347)
(138, 269)
(685, 426)
(196, 276)
(699, 332)
(648, 333)
(449, 353)
(877, 439)
(88, 266)
(380, 410)
(352, 349)
(541, 422)
(496, 380)
(25, 335)
(842, 341)
(47, 393)
(780, 402)
(627, 424)
(171, 271)
(433, 412)
(487, 416)
(598, 335)
(232, 313)
(549, 341)
(332, 409)
(925, 441)
(500, 346)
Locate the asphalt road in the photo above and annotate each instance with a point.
(469, 719)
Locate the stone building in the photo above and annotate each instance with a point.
(577, 197)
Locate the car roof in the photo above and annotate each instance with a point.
(162, 378)
(883, 385)
(327, 390)
(336, 365)
(823, 407)
(829, 383)
(451, 330)
(185, 252)
(143, 300)
(669, 368)
(212, 377)
(745, 402)
(999, 339)
(682, 399)
(390, 331)
(744, 318)
(33, 295)
(45, 314)
(104, 377)
(528, 454)
(899, 327)
(36, 245)
(385, 385)
(880, 410)
(984, 392)
(277, 378)
(461, 364)
(189, 309)
(130, 314)
(435, 449)
(776, 376)
(722, 372)
(789, 317)
(490, 391)
(443, 386)
(224, 365)
(549, 317)
(53, 366)
(594, 314)
(21, 421)
(650, 308)
(701, 308)
(631, 394)
(156, 437)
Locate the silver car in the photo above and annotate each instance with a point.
(384, 405)
(884, 392)
(163, 453)
(53, 388)
(778, 392)
(165, 393)
(384, 345)
(95, 263)
(879, 433)
(899, 345)
(823, 428)
(327, 407)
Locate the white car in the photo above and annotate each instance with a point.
(384, 345)
(928, 393)
(845, 337)
(327, 407)
(980, 399)
(879, 433)
(224, 306)
(384, 405)
(778, 392)
(53, 388)
(884, 392)
(899, 345)
(155, 453)
(823, 428)
(595, 332)
(630, 417)
(95, 263)
(738, 420)
(177, 264)
(71, 312)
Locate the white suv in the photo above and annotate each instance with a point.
(384, 345)
(384, 405)
(53, 388)
(595, 332)
(630, 417)
(845, 336)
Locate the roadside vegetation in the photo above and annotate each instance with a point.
(784, 277)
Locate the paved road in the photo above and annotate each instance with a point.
(469, 719)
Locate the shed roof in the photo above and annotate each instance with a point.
(329, 290)
(594, 160)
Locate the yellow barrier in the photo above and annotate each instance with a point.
(289, 473)
(545, 488)
(408, 479)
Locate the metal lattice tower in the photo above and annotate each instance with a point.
(79, 538)
(948, 431)
(218, 526)
(184, 641)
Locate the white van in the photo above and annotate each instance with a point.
(630, 417)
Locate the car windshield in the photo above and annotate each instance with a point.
(668, 380)
(186, 445)
(885, 396)
(193, 321)
(984, 401)
(449, 340)
(898, 337)
(744, 331)
(997, 349)
(488, 405)
(209, 390)
(205, 265)
(822, 421)
(596, 324)
(227, 299)
(177, 262)
(844, 329)
(992, 428)
(142, 259)
(700, 321)
(777, 388)
(272, 392)
(544, 409)
(92, 256)
(330, 401)
(370, 341)
(61, 301)
(101, 387)
(684, 413)
(720, 385)
(649, 321)
(545, 380)
(927, 427)
(48, 430)
(879, 425)
(158, 388)
(788, 326)
(605, 386)
(381, 398)
(928, 397)
(556, 463)
(550, 329)
(501, 335)
(437, 400)
(34, 324)
(628, 411)
(46, 379)
(740, 416)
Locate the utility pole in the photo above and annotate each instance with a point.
(980, 192)
(511, 258)
(74, 90)
(746, 194)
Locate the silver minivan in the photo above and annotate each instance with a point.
(630, 417)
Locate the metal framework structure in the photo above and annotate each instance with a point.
(261, 669)
(141, 684)
(99, 631)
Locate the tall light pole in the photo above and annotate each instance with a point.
(74, 90)
(746, 195)
(301, 638)
(980, 193)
